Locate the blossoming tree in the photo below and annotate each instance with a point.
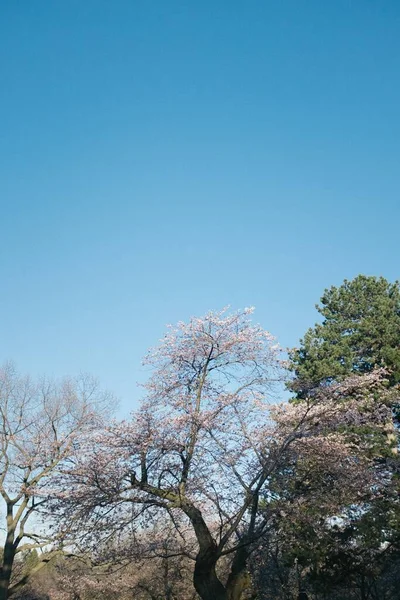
(210, 449)
(40, 425)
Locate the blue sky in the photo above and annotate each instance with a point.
(160, 159)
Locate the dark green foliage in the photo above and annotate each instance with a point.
(361, 557)
(360, 331)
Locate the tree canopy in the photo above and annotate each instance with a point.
(210, 450)
(360, 331)
(213, 488)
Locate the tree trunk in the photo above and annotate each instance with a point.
(363, 588)
(5, 571)
(205, 579)
(239, 579)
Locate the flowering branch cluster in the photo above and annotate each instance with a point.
(209, 448)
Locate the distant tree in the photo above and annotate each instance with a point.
(360, 331)
(141, 571)
(40, 425)
(209, 451)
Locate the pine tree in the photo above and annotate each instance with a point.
(360, 331)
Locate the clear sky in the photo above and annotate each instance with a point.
(162, 158)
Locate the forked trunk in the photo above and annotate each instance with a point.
(239, 580)
(205, 579)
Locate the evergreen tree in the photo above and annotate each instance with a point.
(360, 331)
